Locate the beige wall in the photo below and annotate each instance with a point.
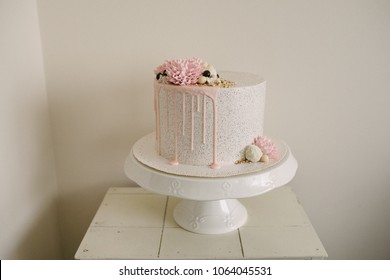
(28, 190)
(327, 68)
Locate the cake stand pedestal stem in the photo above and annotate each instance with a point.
(210, 216)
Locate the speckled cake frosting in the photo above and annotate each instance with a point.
(208, 125)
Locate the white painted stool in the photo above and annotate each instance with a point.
(132, 223)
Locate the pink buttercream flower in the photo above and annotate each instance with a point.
(183, 71)
(267, 146)
(159, 69)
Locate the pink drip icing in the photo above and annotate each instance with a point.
(175, 160)
(167, 112)
(192, 123)
(158, 124)
(155, 111)
(212, 93)
(204, 120)
(183, 98)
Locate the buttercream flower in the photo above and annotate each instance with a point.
(267, 146)
(159, 69)
(183, 71)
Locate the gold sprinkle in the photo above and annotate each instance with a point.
(241, 161)
(221, 83)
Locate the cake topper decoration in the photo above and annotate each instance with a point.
(189, 71)
(267, 146)
(209, 75)
(261, 150)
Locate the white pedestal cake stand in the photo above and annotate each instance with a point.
(209, 203)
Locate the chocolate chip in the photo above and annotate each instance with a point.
(206, 73)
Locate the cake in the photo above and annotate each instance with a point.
(205, 118)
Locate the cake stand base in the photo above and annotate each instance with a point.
(209, 197)
(210, 217)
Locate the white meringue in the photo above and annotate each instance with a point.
(253, 153)
(264, 158)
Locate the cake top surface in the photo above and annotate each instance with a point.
(196, 72)
(242, 79)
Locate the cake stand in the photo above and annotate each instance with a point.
(209, 202)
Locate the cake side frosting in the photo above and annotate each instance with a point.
(208, 125)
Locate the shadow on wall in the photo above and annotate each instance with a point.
(41, 241)
(94, 131)
(77, 209)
